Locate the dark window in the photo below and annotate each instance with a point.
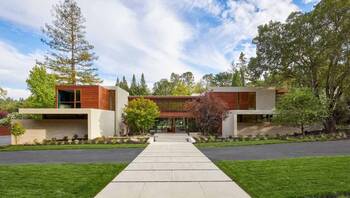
(69, 99)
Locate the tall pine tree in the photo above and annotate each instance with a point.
(124, 84)
(71, 57)
(134, 89)
(143, 89)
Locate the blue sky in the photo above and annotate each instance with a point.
(154, 37)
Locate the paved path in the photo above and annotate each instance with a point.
(172, 170)
(70, 156)
(276, 151)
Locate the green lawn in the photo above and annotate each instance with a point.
(239, 143)
(56, 180)
(70, 146)
(302, 177)
(252, 142)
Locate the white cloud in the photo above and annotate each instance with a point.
(150, 37)
(14, 65)
(17, 93)
(129, 36)
(311, 1)
(239, 21)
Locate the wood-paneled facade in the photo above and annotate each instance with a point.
(236, 100)
(86, 96)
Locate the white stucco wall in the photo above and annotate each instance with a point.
(121, 100)
(101, 123)
(51, 128)
(5, 140)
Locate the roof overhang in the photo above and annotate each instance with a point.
(47, 111)
(252, 112)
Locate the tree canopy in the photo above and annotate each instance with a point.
(71, 57)
(309, 50)
(42, 87)
(140, 114)
(299, 108)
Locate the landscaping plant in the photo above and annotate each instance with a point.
(140, 115)
(17, 130)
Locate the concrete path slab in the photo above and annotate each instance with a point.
(172, 170)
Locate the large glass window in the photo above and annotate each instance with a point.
(69, 99)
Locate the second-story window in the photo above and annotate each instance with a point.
(69, 99)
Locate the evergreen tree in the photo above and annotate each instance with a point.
(143, 89)
(134, 89)
(242, 65)
(124, 84)
(117, 82)
(71, 57)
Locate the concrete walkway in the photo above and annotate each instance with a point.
(172, 170)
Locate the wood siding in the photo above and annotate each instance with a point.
(91, 96)
(4, 131)
(236, 100)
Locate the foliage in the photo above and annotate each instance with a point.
(17, 130)
(11, 105)
(301, 177)
(71, 58)
(140, 114)
(7, 121)
(309, 50)
(143, 89)
(162, 87)
(299, 108)
(42, 86)
(209, 113)
(70, 180)
(3, 114)
(179, 85)
(123, 84)
(135, 89)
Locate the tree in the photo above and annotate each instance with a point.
(124, 84)
(140, 115)
(309, 50)
(299, 108)
(134, 88)
(181, 89)
(209, 113)
(143, 89)
(17, 130)
(3, 93)
(162, 88)
(117, 82)
(236, 79)
(42, 87)
(222, 79)
(71, 57)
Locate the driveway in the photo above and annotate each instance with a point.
(277, 151)
(70, 156)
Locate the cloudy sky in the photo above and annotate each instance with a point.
(154, 37)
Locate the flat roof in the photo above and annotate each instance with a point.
(165, 97)
(42, 111)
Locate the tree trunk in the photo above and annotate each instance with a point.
(302, 129)
(330, 125)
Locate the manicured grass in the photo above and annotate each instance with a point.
(239, 143)
(301, 177)
(253, 142)
(56, 180)
(70, 146)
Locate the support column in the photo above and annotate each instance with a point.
(235, 130)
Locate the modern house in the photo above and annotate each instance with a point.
(95, 111)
